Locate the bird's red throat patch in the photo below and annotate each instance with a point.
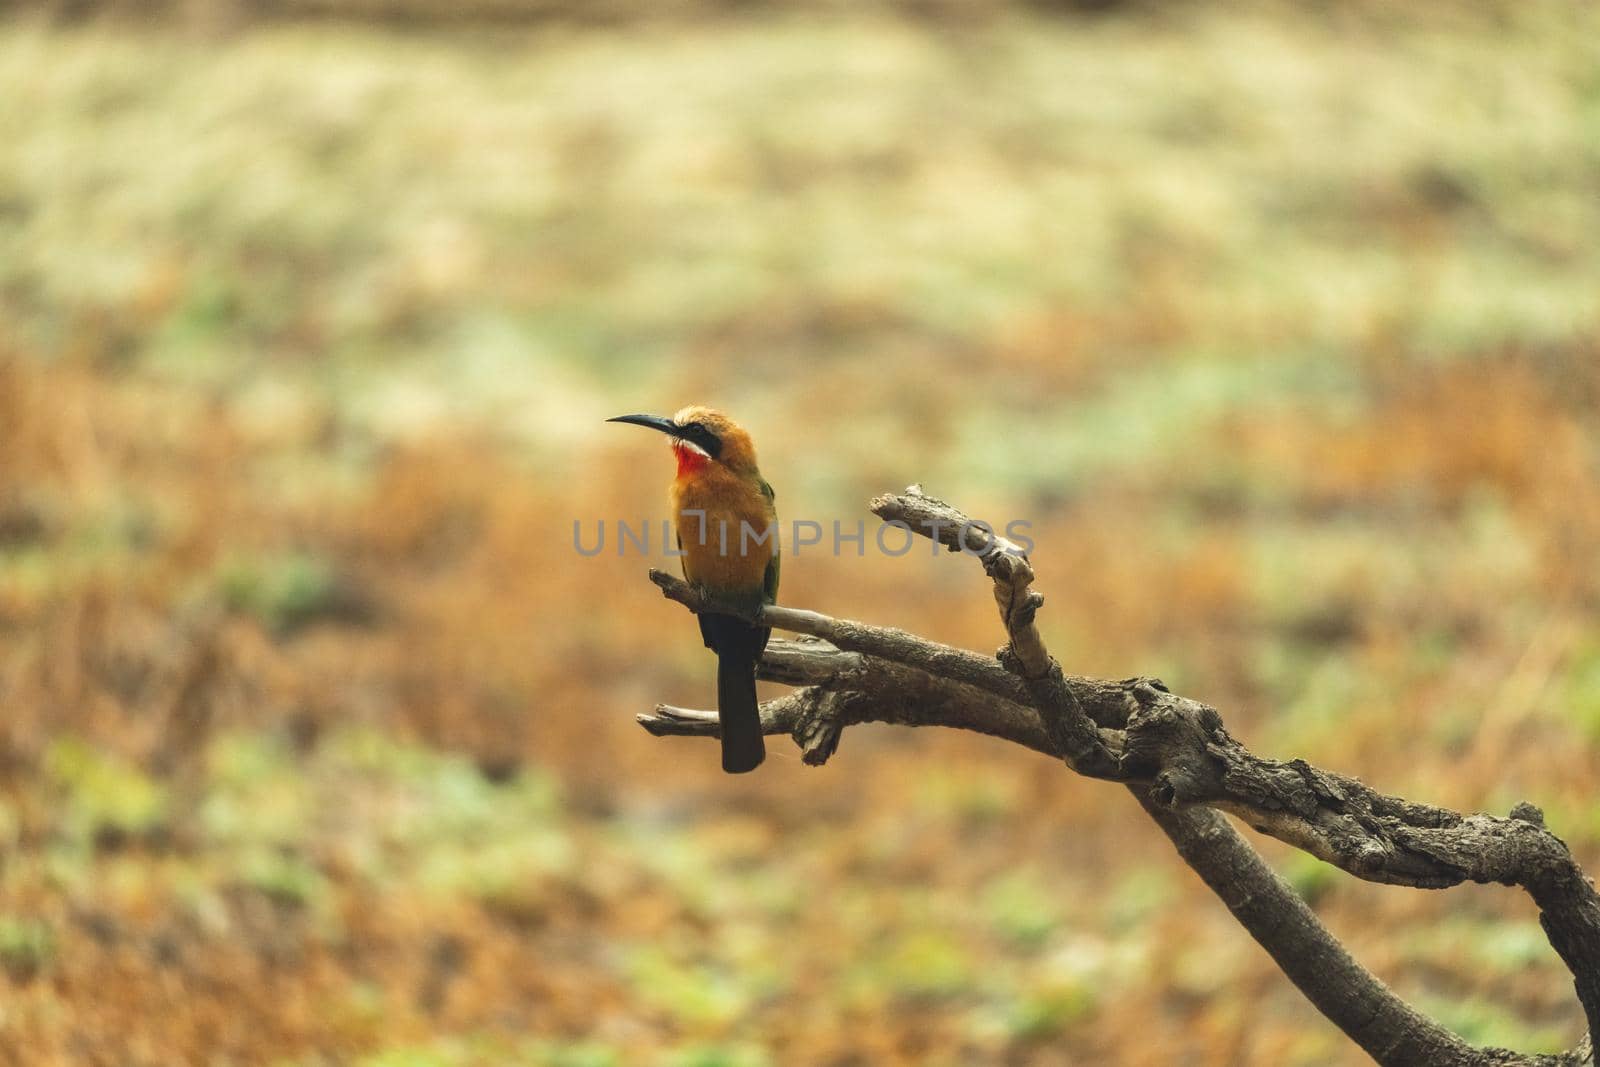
(691, 460)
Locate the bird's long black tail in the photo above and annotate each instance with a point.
(742, 746)
(738, 645)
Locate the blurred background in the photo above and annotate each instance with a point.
(1277, 320)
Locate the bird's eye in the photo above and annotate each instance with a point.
(697, 427)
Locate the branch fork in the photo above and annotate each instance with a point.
(1176, 757)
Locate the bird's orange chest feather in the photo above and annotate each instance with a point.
(713, 509)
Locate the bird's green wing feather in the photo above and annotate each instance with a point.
(769, 584)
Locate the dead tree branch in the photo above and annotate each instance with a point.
(1184, 768)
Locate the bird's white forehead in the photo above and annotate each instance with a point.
(693, 413)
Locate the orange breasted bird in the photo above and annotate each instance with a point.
(727, 532)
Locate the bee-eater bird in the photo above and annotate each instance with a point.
(727, 533)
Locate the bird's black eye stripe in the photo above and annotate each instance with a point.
(698, 434)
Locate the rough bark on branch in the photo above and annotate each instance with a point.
(1183, 767)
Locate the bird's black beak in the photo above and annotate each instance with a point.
(654, 422)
